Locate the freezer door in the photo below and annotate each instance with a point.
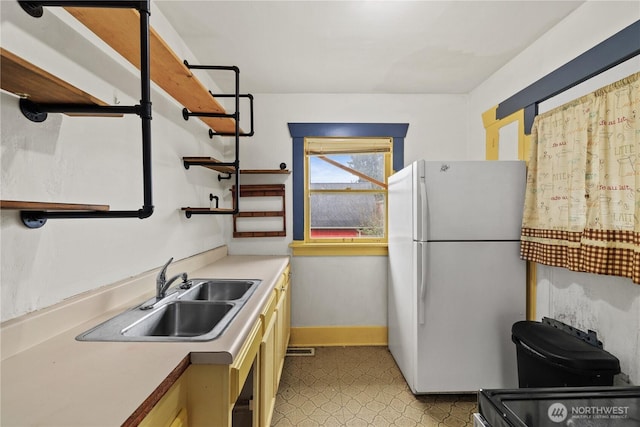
(469, 200)
(474, 292)
(401, 313)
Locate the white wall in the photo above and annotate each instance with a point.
(94, 160)
(97, 160)
(343, 290)
(608, 305)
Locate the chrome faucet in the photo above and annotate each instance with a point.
(162, 284)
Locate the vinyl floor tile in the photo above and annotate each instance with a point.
(360, 386)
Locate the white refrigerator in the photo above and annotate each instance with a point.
(456, 280)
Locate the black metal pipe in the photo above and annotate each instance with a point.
(188, 214)
(236, 208)
(216, 198)
(120, 4)
(230, 95)
(83, 108)
(83, 214)
(34, 219)
(186, 114)
(236, 115)
(35, 8)
(212, 67)
(145, 102)
(212, 133)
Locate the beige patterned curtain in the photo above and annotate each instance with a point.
(582, 204)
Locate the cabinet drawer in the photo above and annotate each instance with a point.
(283, 282)
(242, 365)
(287, 273)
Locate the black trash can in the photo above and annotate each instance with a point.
(553, 354)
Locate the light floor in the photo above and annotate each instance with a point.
(360, 386)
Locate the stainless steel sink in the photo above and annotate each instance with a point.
(219, 290)
(199, 312)
(181, 319)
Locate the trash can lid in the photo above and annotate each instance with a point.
(562, 348)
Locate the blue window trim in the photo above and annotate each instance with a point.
(613, 51)
(299, 131)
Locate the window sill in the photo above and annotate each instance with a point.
(300, 248)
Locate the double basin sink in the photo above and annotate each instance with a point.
(200, 311)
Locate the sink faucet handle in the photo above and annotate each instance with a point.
(186, 283)
(163, 270)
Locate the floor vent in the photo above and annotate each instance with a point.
(301, 351)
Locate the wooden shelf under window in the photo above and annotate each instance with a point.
(115, 26)
(47, 206)
(26, 80)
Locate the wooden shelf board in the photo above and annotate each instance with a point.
(265, 171)
(209, 163)
(29, 81)
(260, 190)
(260, 214)
(48, 206)
(259, 233)
(119, 29)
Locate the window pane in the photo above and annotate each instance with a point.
(366, 169)
(347, 215)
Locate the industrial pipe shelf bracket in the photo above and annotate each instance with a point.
(237, 95)
(249, 96)
(237, 134)
(38, 112)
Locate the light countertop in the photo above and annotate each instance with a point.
(64, 382)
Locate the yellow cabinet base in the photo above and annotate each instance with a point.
(205, 395)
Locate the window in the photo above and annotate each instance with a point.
(346, 189)
(360, 187)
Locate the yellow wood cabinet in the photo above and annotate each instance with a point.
(171, 410)
(283, 326)
(205, 395)
(274, 347)
(214, 389)
(268, 363)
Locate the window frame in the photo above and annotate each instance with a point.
(298, 132)
(388, 170)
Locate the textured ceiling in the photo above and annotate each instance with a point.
(360, 46)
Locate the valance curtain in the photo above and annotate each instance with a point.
(582, 203)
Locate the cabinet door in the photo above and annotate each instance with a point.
(268, 388)
(281, 334)
(286, 308)
(181, 419)
(171, 409)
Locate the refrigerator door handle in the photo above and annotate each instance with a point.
(422, 215)
(422, 276)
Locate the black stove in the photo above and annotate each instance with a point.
(559, 406)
